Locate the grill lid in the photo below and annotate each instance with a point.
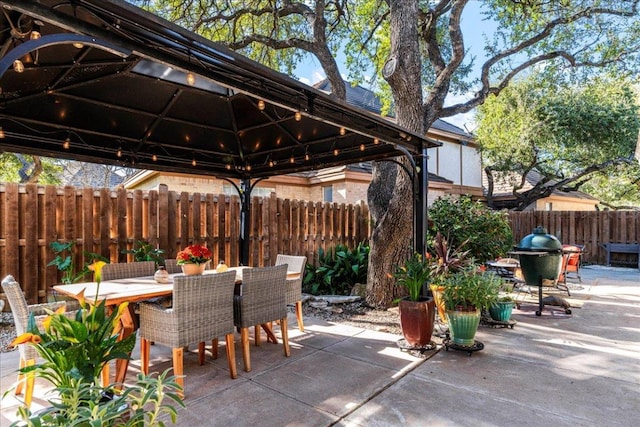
(540, 241)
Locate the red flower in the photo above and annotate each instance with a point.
(194, 254)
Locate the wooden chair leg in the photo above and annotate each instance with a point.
(21, 378)
(145, 349)
(244, 340)
(256, 335)
(299, 315)
(201, 353)
(104, 375)
(231, 355)
(214, 348)
(31, 377)
(178, 354)
(285, 336)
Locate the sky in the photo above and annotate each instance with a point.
(310, 71)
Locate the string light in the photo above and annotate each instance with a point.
(343, 131)
(362, 147)
(78, 45)
(272, 163)
(191, 79)
(18, 66)
(298, 116)
(336, 151)
(292, 160)
(35, 34)
(119, 152)
(154, 157)
(228, 166)
(193, 162)
(261, 105)
(1, 133)
(376, 141)
(307, 157)
(66, 144)
(248, 167)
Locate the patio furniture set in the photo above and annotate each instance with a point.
(203, 307)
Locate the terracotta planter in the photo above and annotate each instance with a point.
(193, 269)
(437, 291)
(417, 319)
(463, 326)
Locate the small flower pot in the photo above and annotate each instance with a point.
(501, 311)
(463, 326)
(193, 269)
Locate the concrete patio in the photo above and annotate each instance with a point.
(581, 369)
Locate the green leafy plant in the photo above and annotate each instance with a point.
(64, 261)
(75, 350)
(143, 251)
(485, 233)
(413, 275)
(470, 289)
(338, 270)
(141, 404)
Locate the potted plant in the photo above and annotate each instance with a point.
(193, 259)
(465, 294)
(502, 308)
(444, 261)
(75, 351)
(417, 313)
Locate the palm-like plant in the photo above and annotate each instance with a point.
(447, 260)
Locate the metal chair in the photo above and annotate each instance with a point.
(293, 295)
(21, 312)
(125, 270)
(202, 310)
(261, 301)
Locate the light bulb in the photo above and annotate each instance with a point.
(248, 167)
(18, 66)
(191, 79)
(66, 144)
(78, 45)
(343, 131)
(35, 35)
(193, 162)
(1, 133)
(298, 116)
(119, 152)
(376, 141)
(154, 157)
(362, 147)
(292, 160)
(261, 105)
(307, 157)
(228, 167)
(336, 151)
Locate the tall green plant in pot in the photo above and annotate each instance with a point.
(417, 313)
(465, 294)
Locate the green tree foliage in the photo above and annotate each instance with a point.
(471, 226)
(567, 133)
(24, 169)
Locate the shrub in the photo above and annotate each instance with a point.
(337, 271)
(487, 232)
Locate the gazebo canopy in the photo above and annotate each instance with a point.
(106, 82)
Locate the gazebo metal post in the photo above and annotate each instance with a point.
(421, 188)
(245, 219)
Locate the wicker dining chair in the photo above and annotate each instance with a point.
(172, 267)
(21, 312)
(293, 295)
(202, 310)
(125, 270)
(261, 301)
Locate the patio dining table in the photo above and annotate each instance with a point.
(136, 289)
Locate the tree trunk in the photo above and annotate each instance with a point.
(390, 194)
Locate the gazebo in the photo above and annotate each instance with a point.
(106, 82)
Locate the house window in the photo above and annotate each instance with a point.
(327, 194)
(548, 206)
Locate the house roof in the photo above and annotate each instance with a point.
(368, 100)
(110, 83)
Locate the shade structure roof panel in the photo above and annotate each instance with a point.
(107, 82)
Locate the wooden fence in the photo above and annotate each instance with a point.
(106, 222)
(589, 228)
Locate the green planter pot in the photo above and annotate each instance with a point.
(501, 311)
(463, 326)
